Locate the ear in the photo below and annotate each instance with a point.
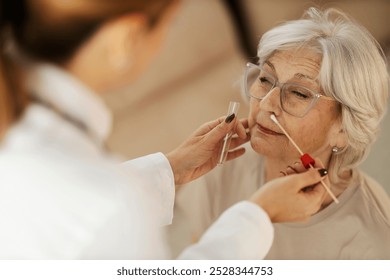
(128, 33)
(338, 137)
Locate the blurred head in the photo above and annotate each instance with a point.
(105, 43)
(328, 54)
(54, 30)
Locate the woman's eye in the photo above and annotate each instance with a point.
(265, 80)
(300, 94)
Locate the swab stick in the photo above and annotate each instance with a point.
(273, 118)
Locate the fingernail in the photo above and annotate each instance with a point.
(323, 172)
(230, 118)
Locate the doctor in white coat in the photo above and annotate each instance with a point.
(62, 196)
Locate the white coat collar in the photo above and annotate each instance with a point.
(66, 94)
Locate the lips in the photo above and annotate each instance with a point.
(267, 130)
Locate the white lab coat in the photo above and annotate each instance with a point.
(63, 197)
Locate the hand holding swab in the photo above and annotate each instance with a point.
(305, 158)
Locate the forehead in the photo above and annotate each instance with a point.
(303, 62)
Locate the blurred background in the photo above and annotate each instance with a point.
(198, 72)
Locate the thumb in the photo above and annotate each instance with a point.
(308, 178)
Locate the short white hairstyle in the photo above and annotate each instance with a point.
(353, 71)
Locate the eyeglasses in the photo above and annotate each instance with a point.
(295, 99)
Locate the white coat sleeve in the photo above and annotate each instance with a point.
(244, 231)
(158, 183)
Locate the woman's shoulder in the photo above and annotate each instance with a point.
(376, 197)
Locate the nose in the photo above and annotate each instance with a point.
(271, 102)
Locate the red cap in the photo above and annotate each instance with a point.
(307, 161)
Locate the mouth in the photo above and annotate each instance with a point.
(268, 131)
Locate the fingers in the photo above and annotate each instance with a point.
(319, 190)
(236, 142)
(225, 123)
(207, 127)
(321, 166)
(243, 136)
(235, 154)
(308, 178)
(318, 163)
(216, 130)
(241, 127)
(315, 197)
(296, 167)
(290, 170)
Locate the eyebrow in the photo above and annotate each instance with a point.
(297, 75)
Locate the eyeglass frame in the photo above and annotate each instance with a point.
(280, 85)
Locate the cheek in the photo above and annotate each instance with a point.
(253, 112)
(306, 136)
(312, 135)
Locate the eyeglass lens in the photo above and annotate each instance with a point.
(295, 100)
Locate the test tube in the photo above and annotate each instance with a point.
(233, 108)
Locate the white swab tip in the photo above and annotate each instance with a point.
(273, 118)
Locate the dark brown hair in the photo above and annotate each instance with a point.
(52, 30)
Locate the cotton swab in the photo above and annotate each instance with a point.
(273, 118)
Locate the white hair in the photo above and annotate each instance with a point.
(353, 71)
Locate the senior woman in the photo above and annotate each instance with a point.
(324, 77)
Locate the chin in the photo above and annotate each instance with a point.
(268, 150)
(259, 146)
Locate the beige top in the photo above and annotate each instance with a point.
(356, 228)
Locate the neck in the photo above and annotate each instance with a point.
(338, 189)
(80, 67)
(273, 168)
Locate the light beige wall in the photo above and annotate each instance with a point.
(191, 82)
(264, 14)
